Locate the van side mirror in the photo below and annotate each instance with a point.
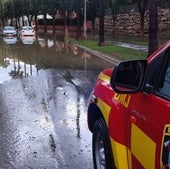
(127, 77)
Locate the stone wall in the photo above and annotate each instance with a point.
(129, 23)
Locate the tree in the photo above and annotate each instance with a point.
(52, 11)
(8, 13)
(101, 11)
(142, 6)
(92, 12)
(34, 9)
(78, 5)
(17, 8)
(115, 6)
(65, 11)
(26, 10)
(1, 13)
(153, 26)
(45, 6)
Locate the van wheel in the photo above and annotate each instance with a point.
(102, 152)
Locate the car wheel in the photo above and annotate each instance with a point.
(102, 153)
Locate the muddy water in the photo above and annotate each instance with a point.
(45, 85)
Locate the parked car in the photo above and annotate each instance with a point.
(9, 31)
(129, 114)
(27, 31)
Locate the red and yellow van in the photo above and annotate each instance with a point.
(129, 114)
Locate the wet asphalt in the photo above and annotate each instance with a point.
(43, 122)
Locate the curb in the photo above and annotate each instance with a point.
(98, 54)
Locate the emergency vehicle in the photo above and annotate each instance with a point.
(129, 114)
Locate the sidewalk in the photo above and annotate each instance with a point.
(132, 46)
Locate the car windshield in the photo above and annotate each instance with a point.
(27, 28)
(9, 28)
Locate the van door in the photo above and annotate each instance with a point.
(149, 120)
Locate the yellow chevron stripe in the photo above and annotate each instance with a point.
(119, 154)
(104, 108)
(143, 148)
(104, 77)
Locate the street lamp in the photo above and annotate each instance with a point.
(85, 26)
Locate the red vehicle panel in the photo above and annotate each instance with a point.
(129, 114)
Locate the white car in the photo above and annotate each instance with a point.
(27, 31)
(9, 31)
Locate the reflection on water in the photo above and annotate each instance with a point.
(26, 56)
(55, 96)
(10, 39)
(28, 40)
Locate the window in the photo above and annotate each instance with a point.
(154, 70)
(165, 88)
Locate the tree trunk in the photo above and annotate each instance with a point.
(18, 22)
(78, 36)
(53, 24)
(101, 23)
(29, 20)
(93, 26)
(114, 23)
(79, 21)
(23, 24)
(36, 24)
(3, 21)
(142, 8)
(153, 26)
(66, 33)
(45, 23)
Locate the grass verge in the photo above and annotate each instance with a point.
(117, 52)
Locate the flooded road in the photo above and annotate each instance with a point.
(45, 83)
